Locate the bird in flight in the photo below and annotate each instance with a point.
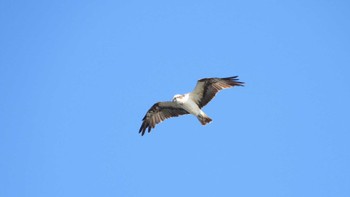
(190, 103)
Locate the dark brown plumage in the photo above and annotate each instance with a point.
(159, 112)
(207, 88)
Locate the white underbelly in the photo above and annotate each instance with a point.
(192, 107)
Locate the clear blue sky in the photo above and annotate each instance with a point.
(76, 78)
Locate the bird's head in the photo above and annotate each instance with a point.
(177, 98)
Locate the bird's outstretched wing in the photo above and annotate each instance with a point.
(159, 112)
(207, 88)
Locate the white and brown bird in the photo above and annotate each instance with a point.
(190, 103)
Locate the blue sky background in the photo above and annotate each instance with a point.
(76, 78)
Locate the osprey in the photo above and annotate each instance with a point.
(190, 103)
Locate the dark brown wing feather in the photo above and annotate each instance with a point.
(207, 88)
(159, 112)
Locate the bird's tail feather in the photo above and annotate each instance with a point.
(204, 119)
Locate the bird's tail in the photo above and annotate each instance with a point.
(203, 118)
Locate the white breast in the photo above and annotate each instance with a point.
(190, 105)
